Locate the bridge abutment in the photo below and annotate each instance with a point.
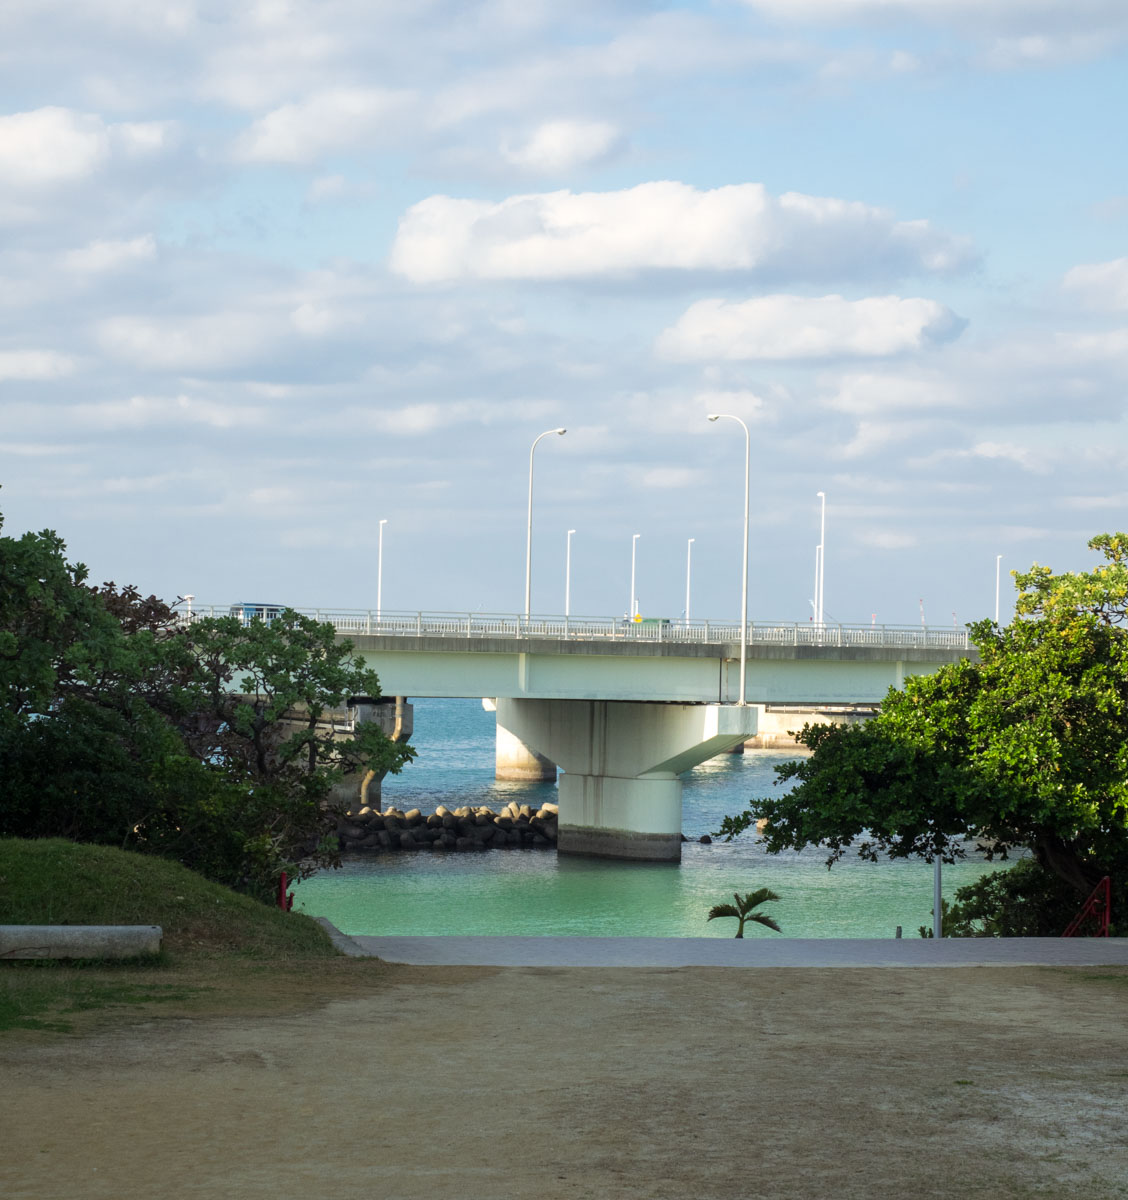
(621, 794)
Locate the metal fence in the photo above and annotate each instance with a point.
(477, 625)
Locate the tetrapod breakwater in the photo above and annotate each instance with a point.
(459, 830)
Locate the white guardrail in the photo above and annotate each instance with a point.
(477, 625)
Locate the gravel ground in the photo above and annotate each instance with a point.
(548, 1082)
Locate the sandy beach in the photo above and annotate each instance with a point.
(594, 1082)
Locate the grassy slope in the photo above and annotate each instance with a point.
(223, 952)
(54, 882)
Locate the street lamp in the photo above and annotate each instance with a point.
(744, 566)
(821, 559)
(688, 566)
(634, 544)
(380, 572)
(568, 574)
(529, 526)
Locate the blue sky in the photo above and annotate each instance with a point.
(272, 272)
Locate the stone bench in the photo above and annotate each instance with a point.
(79, 941)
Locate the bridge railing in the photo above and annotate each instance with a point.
(478, 625)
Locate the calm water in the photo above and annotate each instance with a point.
(534, 892)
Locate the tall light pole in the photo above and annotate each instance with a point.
(688, 566)
(634, 546)
(998, 561)
(380, 572)
(529, 525)
(815, 593)
(822, 558)
(568, 574)
(744, 567)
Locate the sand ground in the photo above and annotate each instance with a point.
(699, 1083)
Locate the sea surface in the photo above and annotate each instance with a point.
(533, 892)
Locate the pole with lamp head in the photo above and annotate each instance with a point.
(529, 523)
(744, 565)
(632, 612)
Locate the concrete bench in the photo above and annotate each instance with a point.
(79, 941)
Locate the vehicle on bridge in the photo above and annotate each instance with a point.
(265, 612)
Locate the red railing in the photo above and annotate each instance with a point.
(1096, 908)
(285, 900)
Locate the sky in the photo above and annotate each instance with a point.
(272, 273)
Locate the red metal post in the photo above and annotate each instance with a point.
(1097, 908)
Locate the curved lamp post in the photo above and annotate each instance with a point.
(633, 610)
(744, 567)
(529, 526)
(821, 619)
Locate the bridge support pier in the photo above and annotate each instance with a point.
(620, 796)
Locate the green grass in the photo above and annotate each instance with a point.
(222, 952)
(55, 882)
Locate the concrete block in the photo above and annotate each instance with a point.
(79, 941)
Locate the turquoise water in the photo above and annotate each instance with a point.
(534, 892)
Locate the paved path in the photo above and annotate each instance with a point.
(749, 952)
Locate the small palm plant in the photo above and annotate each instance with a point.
(743, 907)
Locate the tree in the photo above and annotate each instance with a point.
(743, 909)
(208, 742)
(1026, 748)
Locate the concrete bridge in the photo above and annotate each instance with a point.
(626, 707)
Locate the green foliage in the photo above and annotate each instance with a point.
(207, 743)
(52, 627)
(948, 926)
(1026, 748)
(744, 910)
(1024, 901)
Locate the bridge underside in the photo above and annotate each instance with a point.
(621, 795)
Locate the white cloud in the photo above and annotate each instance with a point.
(800, 327)
(101, 256)
(663, 226)
(867, 394)
(415, 419)
(748, 405)
(663, 478)
(49, 147)
(1023, 456)
(1103, 284)
(327, 187)
(197, 343)
(886, 539)
(1028, 14)
(139, 412)
(557, 147)
(37, 449)
(34, 364)
(1016, 33)
(337, 119)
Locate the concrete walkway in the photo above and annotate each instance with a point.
(729, 952)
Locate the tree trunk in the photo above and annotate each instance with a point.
(1057, 858)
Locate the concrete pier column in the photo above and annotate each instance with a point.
(620, 796)
(396, 716)
(516, 761)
